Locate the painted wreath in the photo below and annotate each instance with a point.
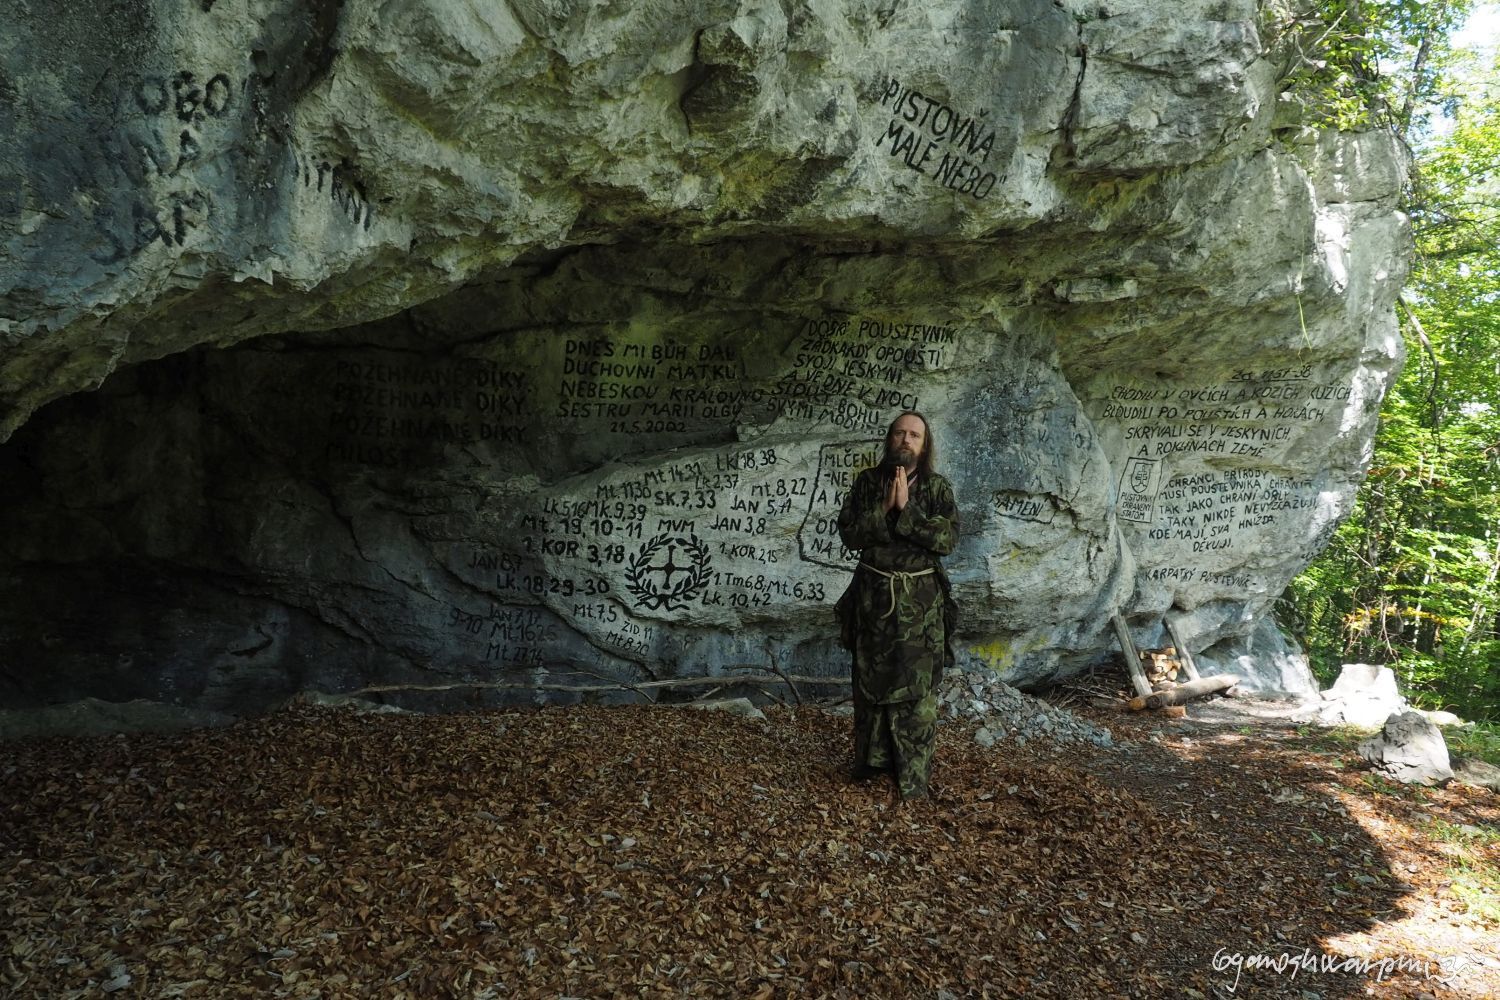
(671, 595)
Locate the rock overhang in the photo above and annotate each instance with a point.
(494, 277)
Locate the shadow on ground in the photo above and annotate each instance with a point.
(643, 851)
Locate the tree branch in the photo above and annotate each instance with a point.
(1431, 356)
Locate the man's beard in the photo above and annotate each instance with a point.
(900, 456)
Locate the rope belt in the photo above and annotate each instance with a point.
(892, 577)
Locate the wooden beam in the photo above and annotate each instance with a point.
(1184, 655)
(1132, 656)
(722, 680)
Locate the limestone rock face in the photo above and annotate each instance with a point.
(94, 717)
(534, 344)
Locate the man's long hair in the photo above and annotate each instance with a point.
(927, 461)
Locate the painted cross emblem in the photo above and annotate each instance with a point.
(659, 582)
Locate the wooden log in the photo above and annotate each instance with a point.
(622, 686)
(1185, 655)
(640, 686)
(1183, 693)
(1132, 657)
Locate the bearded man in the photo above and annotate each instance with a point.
(898, 615)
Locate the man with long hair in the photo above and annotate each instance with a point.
(897, 615)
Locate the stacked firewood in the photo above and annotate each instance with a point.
(1162, 667)
(1172, 683)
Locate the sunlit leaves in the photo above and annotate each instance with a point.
(1367, 63)
(1411, 578)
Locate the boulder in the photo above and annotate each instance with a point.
(743, 707)
(364, 706)
(1476, 772)
(1410, 749)
(504, 352)
(1364, 680)
(1364, 695)
(1441, 718)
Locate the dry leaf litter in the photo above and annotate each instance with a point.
(653, 852)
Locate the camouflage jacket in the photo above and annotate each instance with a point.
(913, 538)
(910, 540)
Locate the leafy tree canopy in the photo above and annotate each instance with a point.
(1410, 578)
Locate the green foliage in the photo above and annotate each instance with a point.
(1362, 64)
(1476, 881)
(1480, 741)
(1336, 739)
(1412, 577)
(1394, 789)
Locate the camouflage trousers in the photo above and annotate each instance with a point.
(897, 737)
